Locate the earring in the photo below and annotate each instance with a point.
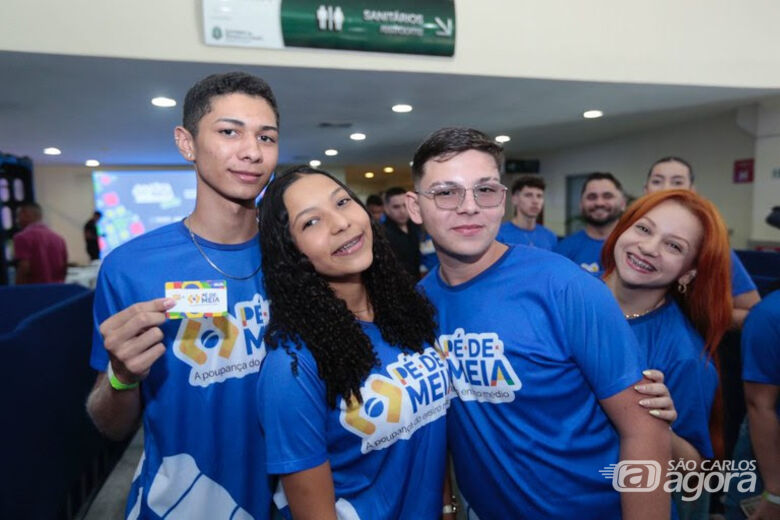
(681, 287)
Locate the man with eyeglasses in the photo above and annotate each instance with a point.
(543, 364)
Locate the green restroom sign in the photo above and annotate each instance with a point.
(407, 27)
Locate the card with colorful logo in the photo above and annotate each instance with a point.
(194, 299)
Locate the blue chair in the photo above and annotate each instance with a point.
(48, 440)
(763, 267)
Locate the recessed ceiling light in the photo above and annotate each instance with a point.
(388, 169)
(92, 163)
(163, 102)
(357, 136)
(52, 151)
(503, 138)
(401, 109)
(314, 163)
(368, 175)
(592, 114)
(330, 152)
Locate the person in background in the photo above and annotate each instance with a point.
(667, 264)
(602, 201)
(543, 365)
(676, 173)
(91, 236)
(191, 375)
(41, 255)
(352, 394)
(376, 208)
(403, 234)
(759, 436)
(528, 203)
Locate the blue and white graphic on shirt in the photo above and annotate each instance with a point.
(478, 367)
(199, 396)
(224, 347)
(395, 407)
(539, 236)
(538, 427)
(674, 347)
(387, 455)
(582, 250)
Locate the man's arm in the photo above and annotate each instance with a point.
(132, 339)
(642, 437)
(765, 437)
(741, 306)
(310, 493)
(22, 272)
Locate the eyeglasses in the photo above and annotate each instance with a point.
(451, 196)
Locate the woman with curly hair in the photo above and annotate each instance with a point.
(667, 264)
(353, 391)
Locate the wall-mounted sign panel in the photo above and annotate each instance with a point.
(404, 27)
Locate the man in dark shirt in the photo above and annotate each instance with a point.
(91, 236)
(403, 234)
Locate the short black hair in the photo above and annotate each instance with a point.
(392, 192)
(672, 158)
(598, 176)
(197, 102)
(442, 144)
(532, 181)
(374, 200)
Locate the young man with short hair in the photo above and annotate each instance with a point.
(528, 202)
(191, 376)
(602, 201)
(543, 363)
(403, 234)
(376, 208)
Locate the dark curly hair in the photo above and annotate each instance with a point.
(305, 310)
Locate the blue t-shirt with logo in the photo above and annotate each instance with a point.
(387, 455)
(533, 343)
(539, 236)
(740, 279)
(761, 343)
(674, 347)
(583, 251)
(202, 457)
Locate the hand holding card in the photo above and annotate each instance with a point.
(133, 338)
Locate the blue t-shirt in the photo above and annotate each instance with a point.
(675, 348)
(387, 455)
(740, 279)
(761, 343)
(533, 344)
(202, 457)
(583, 251)
(540, 236)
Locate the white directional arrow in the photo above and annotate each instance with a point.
(445, 28)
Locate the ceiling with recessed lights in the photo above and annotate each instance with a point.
(100, 109)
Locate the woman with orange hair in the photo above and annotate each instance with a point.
(667, 264)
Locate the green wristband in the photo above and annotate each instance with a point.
(115, 383)
(771, 498)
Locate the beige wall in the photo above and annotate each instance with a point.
(65, 194)
(703, 42)
(711, 145)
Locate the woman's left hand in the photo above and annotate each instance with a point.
(659, 402)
